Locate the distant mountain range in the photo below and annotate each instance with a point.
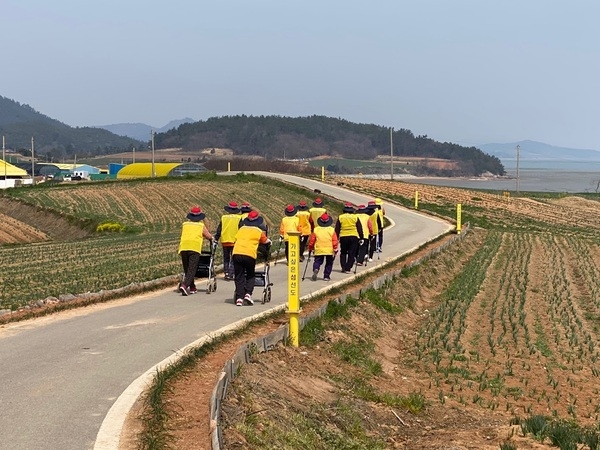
(141, 131)
(538, 151)
(54, 140)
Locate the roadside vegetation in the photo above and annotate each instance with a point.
(132, 230)
(492, 343)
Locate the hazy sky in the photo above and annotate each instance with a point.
(466, 71)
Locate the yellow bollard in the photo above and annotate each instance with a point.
(458, 217)
(322, 173)
(228, 167)
(416, 199)
(294, 309)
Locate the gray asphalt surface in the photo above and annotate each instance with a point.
(60, 375)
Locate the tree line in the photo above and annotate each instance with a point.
(53, 140)
(277, 137)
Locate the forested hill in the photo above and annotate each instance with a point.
(307, 137)
(54, 140)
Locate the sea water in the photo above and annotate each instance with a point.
(534, 176)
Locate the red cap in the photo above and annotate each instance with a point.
(289, 208)
(252, 215)
(233, 204)
(196, 210)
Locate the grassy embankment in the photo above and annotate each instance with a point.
(493, 343)
(146, 215)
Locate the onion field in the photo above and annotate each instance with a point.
(150, 212)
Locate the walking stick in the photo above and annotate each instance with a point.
(306, 267)
(356, 258)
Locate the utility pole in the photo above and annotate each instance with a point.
(392, 153)
(4, 158)
(152, 144)
(518, 151)
(133, 155)
(32, 164)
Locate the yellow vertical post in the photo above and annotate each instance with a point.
(322, 173)
(416, 199)
(458, 217)
(294, 285)
(228, 167)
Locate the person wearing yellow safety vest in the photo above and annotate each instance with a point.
(245, 252)
(381, 212)
(228, 226)
(304, 221)
(193, 231)
(350, 232)
(367, 226)
(290, 222)
(323, 243)
(316, 211)
(377, 225)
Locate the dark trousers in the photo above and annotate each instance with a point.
(244, 271)
(362, 251)
(328, 264)
(190, 260)
(287, 251)
(380, 240)
(372, 245)
(227, 264)
(348, 251)
(303, 244)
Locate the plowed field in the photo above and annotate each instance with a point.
(502, 328)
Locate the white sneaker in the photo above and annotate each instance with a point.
(239, 302)
(370, 259)
(248, 299)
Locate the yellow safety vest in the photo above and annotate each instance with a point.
(364, 221)
(373, 218)
(229, 227)
(191, 236)
(247, 239)
(303, 221)
(288, 223)
(348, 225)
(315, 213)
(323, 240)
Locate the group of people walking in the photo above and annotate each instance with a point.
(243, 234)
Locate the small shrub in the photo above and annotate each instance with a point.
(110, 227)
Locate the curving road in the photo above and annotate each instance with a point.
(67, 380)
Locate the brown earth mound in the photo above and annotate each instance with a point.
(26, 223)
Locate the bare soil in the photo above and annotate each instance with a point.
(21, 223)
(526, 343)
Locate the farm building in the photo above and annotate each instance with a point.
(11, 175)
(144, 170)
(57, 169)
(113, 168)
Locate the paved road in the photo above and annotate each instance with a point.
(68, 379)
